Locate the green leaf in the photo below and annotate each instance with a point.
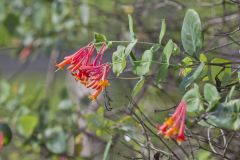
(129, 48)
(84, 13)
(119, 60)
(226, 116)
(5, 38)
(187, 61)
(138, 86)
(163, 30)
(56, 140)
(107, 149)
(193, 100)
(4, 90)
(225, 75)
(130, 23)
(142, 67)
(211, 95)
(191, 77)
(27, 124)
(191, 33)
(7, 133)
(100, 111)
(167, 51)
(230, 94)
(98, 38)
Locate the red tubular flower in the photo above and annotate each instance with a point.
(1, 140)
(90, 72)
(174, 126)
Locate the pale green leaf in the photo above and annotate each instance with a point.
(191, 33)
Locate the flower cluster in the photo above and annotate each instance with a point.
(174, 126)
(1, 140)
(90, 71)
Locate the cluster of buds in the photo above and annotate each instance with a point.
(88, 70)
(174, 126)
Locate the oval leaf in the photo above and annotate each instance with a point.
(191, 33)
(191, 77)
(27, 124)
(143, 67)
(167, 51)
(138, 86)
(211, 95)
(119, 60)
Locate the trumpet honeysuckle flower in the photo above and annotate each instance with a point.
(1, 140)
(174, 126)
(89, 71)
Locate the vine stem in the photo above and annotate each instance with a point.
(139, 42)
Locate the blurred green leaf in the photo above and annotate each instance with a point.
(191, 77)
(138, 86)
(119, 60)
(194, 102)
(27, 124)
(167, 51)
(5, 37)
(142, 67)
(211, 95)
(230, 94)
(4, 90)
(65, 104)
(56, 140)
(7, 133)
(227, 115)
(11, 22)
(100, 111)
(107, 149)
(84, 13)
(191, 33)
(163, 30)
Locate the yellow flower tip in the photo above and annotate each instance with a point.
(104, 83)
(169, 121)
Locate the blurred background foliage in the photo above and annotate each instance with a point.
(46, 118)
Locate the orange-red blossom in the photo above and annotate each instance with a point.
(174, 126)
(90, 71)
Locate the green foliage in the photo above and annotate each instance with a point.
(27, 124)
(191, 34)
(130, 24)
(191, 77)
(5, 91)
(138, 86)
(130, 47)
(142, 66)
(167, 51)
(163, 30)
(119, 60)
(56, 140)
(211, 95)
(107, 149)
(227, 115)
(222, 74)
(194, 101)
